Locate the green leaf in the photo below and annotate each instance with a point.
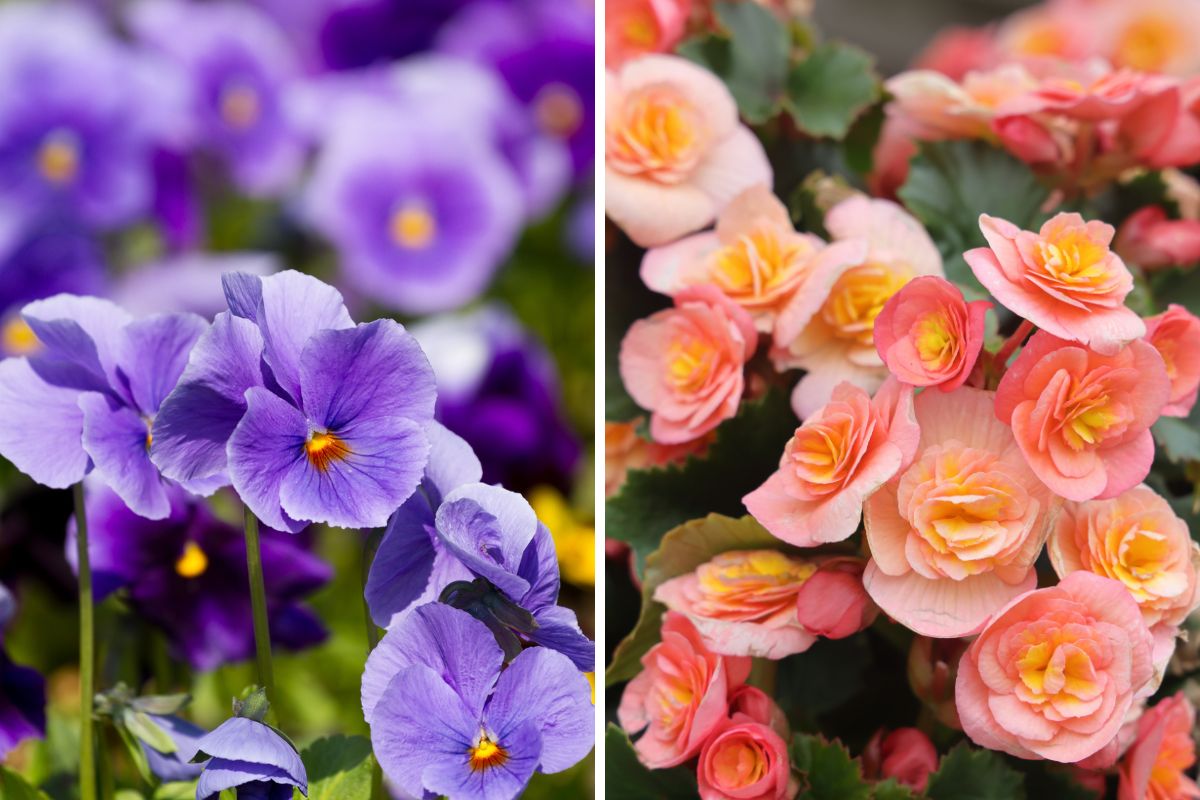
(339, 768)
(682, 550)
(891, 790)
(148, 731)
(128, 794)
(161, 704)
(824, 677)
(744, 455)
(951, 183)
(830, 88)
(1047, 779)
(1178, 438)
(858, 148)
(136, 754)
(966, 774)
(827, 772)
(628, 779)
(176, 790)
(14, 787)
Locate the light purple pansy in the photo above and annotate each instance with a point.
(186, 737)
(85, 402)
(237, 65)
(446, 720)
(422, 209)
(187, 282)
(248, 756)
(311, 417)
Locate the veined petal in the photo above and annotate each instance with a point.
(153, 353)
(265, 445)
(42, 433)
(118, 441)
(558, 630)
(81, 337)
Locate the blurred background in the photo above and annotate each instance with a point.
(433, 159)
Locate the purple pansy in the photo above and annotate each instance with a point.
(422, 209)
(187, 282)
(237, 65)
(186, 574)
(85, 401)
(311, 417)
(446, 720)
(498, 389)
(360, 33)
(186, 737)
(22, 692)
(251, 757)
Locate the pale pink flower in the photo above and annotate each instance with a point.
(1049, 30)
(905, 754)
(745, 760)
(942, 108)
(833, 603)
(743, 603)
(896, 146)
(928, 335)
(834, 461)
(1152, 241)
(1055, 672)
(637, 27)
(755, 257)
(1156, 766)
(1175, 334)
(684, 364)
(1064, 279)
(1152, 35)
(1082, 419)
(1164, 129)
(954, 536)
(830, 331)
(680, 697)
(675, 152)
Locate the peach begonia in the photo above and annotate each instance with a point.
(755, 257)
(1156, 766)
(1064, 279)
(943, 108)
(637, 27)
(1082, 419)
(834, 461)
(1149, 239)
(746, 760)
(954, 536)
(928, 335)
(1175, 334)
(681, 696)
(831, 334)
(1055, 672)
(625, 450)
(685, 364)
(743, 602)
(675, 151)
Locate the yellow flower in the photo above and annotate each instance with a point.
(574, 539)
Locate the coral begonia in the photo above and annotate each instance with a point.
(1175, 334)
(942, 108)
(637, 27)
(745, 760)
(1151, 240)
(905, 754)
(1156, 766)
(833, 603)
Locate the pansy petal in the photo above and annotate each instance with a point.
(539, 566)
(42, 432)
(455, 778)
(559, 630)
(153, 353)
(265, 445)
(242, 739)
(403, 562)
(81, 337)
(117, 439)
(243, 294)
(488, 537)
(452, 462)
(222, 774)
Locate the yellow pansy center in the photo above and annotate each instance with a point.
(413, 226)
(1149, 43)
(240, 106)
(486, 755)
(689, 363)
(192, 563)
(558, 110)
(324, 448)
(58, 157)
(18, 338)
(858, 297)
(657, 134)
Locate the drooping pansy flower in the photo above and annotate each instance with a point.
(186, 575)
(250, 757)
(445, 719)
(85, 400)
(311, 417)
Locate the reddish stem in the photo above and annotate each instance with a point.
(1013, 342)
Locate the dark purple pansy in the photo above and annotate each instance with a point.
(360, 33)
(22, 692)
(85, 400)
(446, 720)
(250, 757)
(186, 575)
(311, 417)
(237, 65)
(498, 389)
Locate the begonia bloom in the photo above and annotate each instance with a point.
(637, 27)
(747, 760)
(1175, 334)
(1157, 764)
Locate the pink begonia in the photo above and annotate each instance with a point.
(1055, 672)
(833, 603)
(928, 335)
(685, 364)
(1082, 419)
(955, 536)
(834, 461)
(957, 50)
(675, 151)
(745, 760)
(1175, 334)
(941, 107)
(905, 754)
(1156, 766)
(755, 257)
(1064, 279)
(636, 27)
(1149, 239)
(830, 330)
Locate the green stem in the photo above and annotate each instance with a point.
(258, 603)
(87, 654)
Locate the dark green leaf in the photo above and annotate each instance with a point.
(858, 148)
(628, 779)
(339, 768)
(136, 754)
(823, 677)
(1047, 779)
(967, 774)
(891, 790)
(14, 787)
(1179, 438)
(828, 90)
(1181, 286)
(827, 772)
(176, 790)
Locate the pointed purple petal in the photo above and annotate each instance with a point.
(243, 294)
(42, 429)
(81, 337)
(116, 439)
(153, 354)
(265, 445)
(559, 630)
(294, 306)
(539, 566)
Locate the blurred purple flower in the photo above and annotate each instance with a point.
(361, 33)
(546, 51)
(581, 230)
(186, 574)
(85, 401)
(79, 116)
(187, 282)
(422, 209)
(22, 692)
(446, 720)
(169, 767)
(252, 758)
(176, 203)
(313, 418)
(498, 389)
(237, 65)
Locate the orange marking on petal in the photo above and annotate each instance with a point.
(486, 755)
(323, 449)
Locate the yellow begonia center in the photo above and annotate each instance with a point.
(732, 573)
(858, 297)
(641, 29)
(689, 364)
(1042, 39)
(1088, 415)
(58, 157)
(1075, 260)
(323, 449)
(192, 563)
(486, 755)
(413, 226)
(739, 764)
(1057, 675)
(936, 343)
(657, 134)
(558, 110)
(757, 263)
(1149, 43)
(240, 106)
(19, 339)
